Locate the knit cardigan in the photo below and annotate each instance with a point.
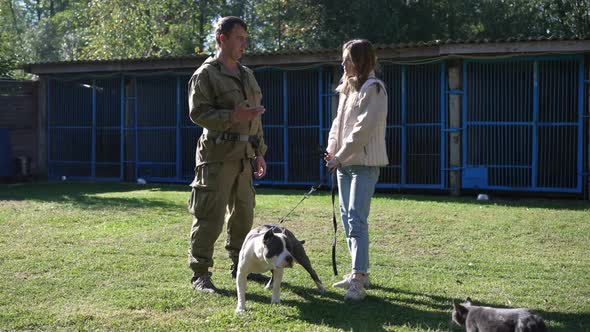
(357, 135)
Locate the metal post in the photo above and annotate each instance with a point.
(122, 131)
(580, 124)
(178, 131)
(50, 84)
(321, 118)
(135, 128)
(454, 118)
(404, 129)
(285, 129)
(93, 157)
(443, 122)
(464, 123)
(535, 124)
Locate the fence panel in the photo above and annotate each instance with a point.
(70, 128)
(415, 126)
(156, 128)
(522, 124)
(272, 83)
(558, 141)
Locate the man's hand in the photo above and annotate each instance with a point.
(244, 113)
(260, 167)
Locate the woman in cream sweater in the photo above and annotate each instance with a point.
(356, 151)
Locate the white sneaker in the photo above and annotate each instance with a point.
(345, 283)
(356, 291)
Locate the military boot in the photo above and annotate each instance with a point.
(203, 283)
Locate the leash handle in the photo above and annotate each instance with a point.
(334, 265)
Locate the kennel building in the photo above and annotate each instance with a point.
(503, 115)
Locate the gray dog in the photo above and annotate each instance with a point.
(487, 319)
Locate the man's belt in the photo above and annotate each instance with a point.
(235, 137)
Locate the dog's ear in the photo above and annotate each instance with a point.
(268, 235)
(468, 300)
(302, 242)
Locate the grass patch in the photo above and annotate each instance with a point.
(81, 256)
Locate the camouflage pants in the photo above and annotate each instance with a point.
(219, 188)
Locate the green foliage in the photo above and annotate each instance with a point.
(113, 256)
(55, 30)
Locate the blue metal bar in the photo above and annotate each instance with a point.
(581, 108)
(93, 165)
(148, 163)
(421, 124)
(448, 169)
(304, 127)
(452, 130)
(535, 126)
(178, 133)
(77, 127)
(404, 123)
(135, 111)
(453, 91)
(50, 83)
(70, 161)
(498, 123)
(285, 128)
(321, 119)
(122, 133)
(443, 126)
(500, 166)
(465, 119)
(558, 124)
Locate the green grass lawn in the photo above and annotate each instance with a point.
(114, 257)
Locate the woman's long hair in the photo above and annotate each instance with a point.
(364, 60)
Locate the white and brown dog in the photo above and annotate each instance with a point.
(273, 248)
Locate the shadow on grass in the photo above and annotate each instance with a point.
(506, 200)
(82, 193)
(544, 203)
(377, 314)
(372, 314)
(85, 194)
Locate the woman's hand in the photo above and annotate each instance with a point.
(331, 161)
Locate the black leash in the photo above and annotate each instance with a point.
(334, 267)
(313, 188)
(334, 223)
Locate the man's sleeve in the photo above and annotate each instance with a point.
(201, 104)
(261, 149)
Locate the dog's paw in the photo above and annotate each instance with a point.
(321, 288)
(240, 309)
(275, 301)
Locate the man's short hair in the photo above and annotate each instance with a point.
(225, 26)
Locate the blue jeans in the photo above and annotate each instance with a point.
(356, 186)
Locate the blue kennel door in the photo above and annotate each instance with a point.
(475, 177)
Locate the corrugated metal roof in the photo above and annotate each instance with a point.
(421, 49)
(317, 51)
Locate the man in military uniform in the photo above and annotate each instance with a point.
(224, 98)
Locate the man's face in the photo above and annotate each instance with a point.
(234, 43)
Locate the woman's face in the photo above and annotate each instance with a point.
(349, 70)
